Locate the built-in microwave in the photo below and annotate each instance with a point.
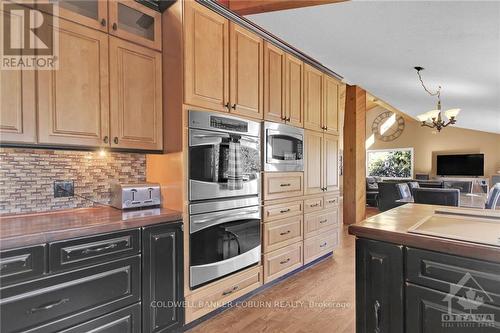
(284, 147)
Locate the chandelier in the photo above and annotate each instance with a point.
(434, 118)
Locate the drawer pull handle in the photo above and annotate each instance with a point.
(230, 291)
(284, 233)
(324, 244)
(100, 249)
(47, 306)
(314, 205)
(285, 185)
(284, 261)
(323, 221)
(331, 201)
(377, 310)
(284, 210)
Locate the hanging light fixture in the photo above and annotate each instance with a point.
(434, 118)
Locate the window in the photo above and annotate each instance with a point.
(390, 163)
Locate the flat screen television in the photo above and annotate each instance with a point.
(460, 165)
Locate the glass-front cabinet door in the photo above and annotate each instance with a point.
(135, 22)
(91, 13)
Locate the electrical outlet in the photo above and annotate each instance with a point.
(64, 188)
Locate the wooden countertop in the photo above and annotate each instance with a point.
(37, 228)
(392, 226)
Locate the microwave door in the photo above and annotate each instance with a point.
(283, 148)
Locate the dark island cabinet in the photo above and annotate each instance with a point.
(128, 281)
(379, 287)
(410, 290)
(162, 279)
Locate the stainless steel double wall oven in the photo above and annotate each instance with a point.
(224, 194)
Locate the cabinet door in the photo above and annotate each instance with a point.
(379, 287)
(17, 99)
(92, 13)
(342, 91)
(135, 22)
(313, 177)
(274, 83)
(330, 105)
(206, 58)
(73, 101)
(330, 162)
(313, 83)
(293, 91)
(136, 96)
(246, 71)
(162, 278)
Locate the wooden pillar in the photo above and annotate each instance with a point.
(354, 155)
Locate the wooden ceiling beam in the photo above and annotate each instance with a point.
(247, 7)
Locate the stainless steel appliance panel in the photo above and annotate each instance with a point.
(283, 149)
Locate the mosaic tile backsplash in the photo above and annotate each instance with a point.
(27, 177)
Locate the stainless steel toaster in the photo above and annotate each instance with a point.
(124, 196)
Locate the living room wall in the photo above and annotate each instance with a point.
(427, 143)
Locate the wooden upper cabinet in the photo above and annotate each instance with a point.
(206, 58)
(330, 104)
(246, 72)
(313, 169)
(17, 100)
(274, 83)
(73, 101)
(342, 92)
(91, 13)
(330, 162)
(135, 22)
(293, 91)
(136, 96)
(313, 83)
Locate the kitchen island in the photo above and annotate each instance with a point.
(424, 268)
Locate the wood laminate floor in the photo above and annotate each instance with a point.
(319, 299)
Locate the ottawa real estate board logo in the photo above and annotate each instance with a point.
(466, 306)
(29, 35)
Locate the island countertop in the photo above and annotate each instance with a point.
(393, 226)
(21, 230)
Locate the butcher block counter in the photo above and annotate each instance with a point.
(425, 268)
(29, 229)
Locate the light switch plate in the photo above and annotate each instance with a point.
(64, 188)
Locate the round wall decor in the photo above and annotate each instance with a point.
(393, 132)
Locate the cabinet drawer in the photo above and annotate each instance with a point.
(281, 233)
(279, 211)
(282, 261)
(313, 204)
(320, 245)
(283, 185)
(92, 250)
(315, 223)
(427, 312)
(439, 271)
(331, 201)
(22, 264)
(127, 320)
(221, 292)
(64, 300)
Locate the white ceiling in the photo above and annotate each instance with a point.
(376, 44)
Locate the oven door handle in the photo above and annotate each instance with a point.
(199, 224)
(202, 139)
(284, 133)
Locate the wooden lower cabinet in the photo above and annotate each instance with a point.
(278, 211)
(314, 204)
(282, 261)
(320, 245)
(221, 292)
(316, 223)
(331, 201)
(283, 185)
(379, 287)
(281, 233)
